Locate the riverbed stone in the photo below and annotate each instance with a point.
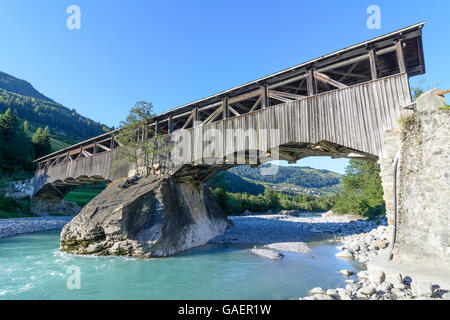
(354, 247)
(352, 286)
(363, 275)
(367, 290)
(376, 276)
(422, 289)
(346, 272)
(316, 290)
(344, 254)
(267, 253)
(155, 217)
(332, 292)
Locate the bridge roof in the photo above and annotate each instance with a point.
(328, 60)
(350, 64)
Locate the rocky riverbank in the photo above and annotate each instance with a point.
(11, 227)
(273, 234)
(376, 285)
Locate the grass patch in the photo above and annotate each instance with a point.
(83, 194)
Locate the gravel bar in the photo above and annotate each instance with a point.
(269, 229)
(11, 227)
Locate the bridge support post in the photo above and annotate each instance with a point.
(311, 83)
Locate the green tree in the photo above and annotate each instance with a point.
(363, 192)
(26, 128)
(41, 142)
(15, 147)
(272, 198)
(138, 143)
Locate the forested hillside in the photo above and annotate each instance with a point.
(235, 184)
(39, 110)
(299, 176)
(22, 87)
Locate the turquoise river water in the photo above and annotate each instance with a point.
(31, 267)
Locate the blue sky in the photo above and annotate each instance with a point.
(174, 52)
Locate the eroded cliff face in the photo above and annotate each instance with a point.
(155, 217)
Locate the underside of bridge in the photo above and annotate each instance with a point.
(290, 152)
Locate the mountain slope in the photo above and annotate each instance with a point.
(39, 110)
(304, 180)
(235, 184)
(22, 87)
(305, 177)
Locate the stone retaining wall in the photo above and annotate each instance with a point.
(423, 236)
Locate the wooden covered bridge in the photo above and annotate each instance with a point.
(338, 105)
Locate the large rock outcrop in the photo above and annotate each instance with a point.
(155, 217)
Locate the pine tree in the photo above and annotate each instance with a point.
(15, 147)
(26, 128)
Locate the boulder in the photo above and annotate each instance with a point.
(247, 213)
(354, 247)
(367, 290)
(376, 276)
(316, 290)
(422, 289)
(344, 254)
(290, 212)
(343, 292)
(154, 217)
(346, 272)
(394, 278)
(332, 292)
(446, 296)
(363, 275)
(267, 253)
(352, 286)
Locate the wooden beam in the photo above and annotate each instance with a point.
(212, 116)
(282, 99)
(287, 94)
(373, 64)
(264, 96)
(170, 124)
(311, 83)
(157, 127)
(400, 55)
(230, 108)
(196, 117)
(324, 78)
(188, 121)
(103, 147)
(225, 105)
(258, 101)
(287, 81)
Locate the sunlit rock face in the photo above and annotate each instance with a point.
(154, 217)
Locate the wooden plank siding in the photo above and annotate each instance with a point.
(355, 117)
